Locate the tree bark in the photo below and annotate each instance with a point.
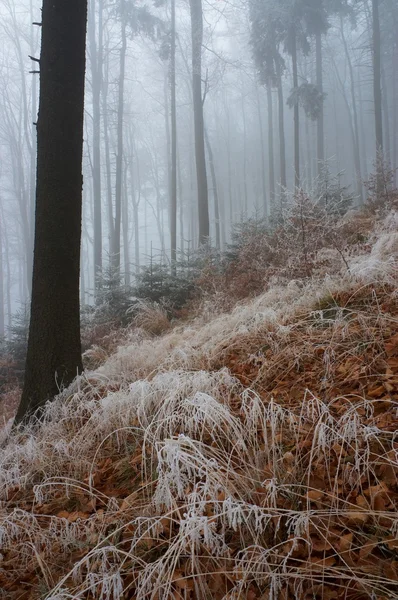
(353, 114)
(2, 324)
(54, 346)
(262, 154)
(296, 115)
(281, 124)
(376, 43)
(173, 174)
(271, 169)
(215, 190)
(119, 156)
(320, 121)
(96, 58)
(201, 175)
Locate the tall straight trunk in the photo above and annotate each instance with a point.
(33, 149)
(2, 325)
(246, 200)
(54, 346)
(173, 174)
(120, 127)
(8, 278)
(111, 223)
(395, 112)
(96, 59)
(296, 115)
(281, 125)
(363, 138)
(309, 174)
(136, 203)
(386, 121)
(181, 211)
(201, 175)
(353, 114)
(262, 154)
(271, 169)
(125, 229)
(320, 120)
(376, 47)
(215, 190)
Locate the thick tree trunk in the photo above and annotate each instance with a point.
(201, 175)
(173, 174)
(320, 121)
(54, 347)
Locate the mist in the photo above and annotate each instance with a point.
(127, 133)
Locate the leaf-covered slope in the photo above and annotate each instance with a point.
(252, 456)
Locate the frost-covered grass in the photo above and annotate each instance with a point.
(201, 465)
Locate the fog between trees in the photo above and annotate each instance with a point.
(282, 83)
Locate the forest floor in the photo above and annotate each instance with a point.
(247, 455)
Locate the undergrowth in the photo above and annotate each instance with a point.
(248, 456)
(241, 455)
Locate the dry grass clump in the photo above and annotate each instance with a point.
(253, 457)
(152, 318)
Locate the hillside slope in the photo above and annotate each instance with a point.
(253, 455)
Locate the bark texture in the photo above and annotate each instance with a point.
(54, 348)
(201, 175)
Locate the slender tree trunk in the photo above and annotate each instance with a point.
(125, 229)
(320, 120)
(363, 138)
(376, 43)
(135, 202)
(296, 116)
(96, 59)
(181, 211)
(262, 154)
(244, 153)
(309, 174)
(215, 190)
(395, 112)
(173, 178)
(353, 114)
(281, 124)
(54, 347)
(111, 223)
(8, 287)
(2, 324)
(386, 123)
(271, 169)
(120, 127)
(201, 175)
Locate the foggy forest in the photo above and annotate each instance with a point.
(198, 299)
